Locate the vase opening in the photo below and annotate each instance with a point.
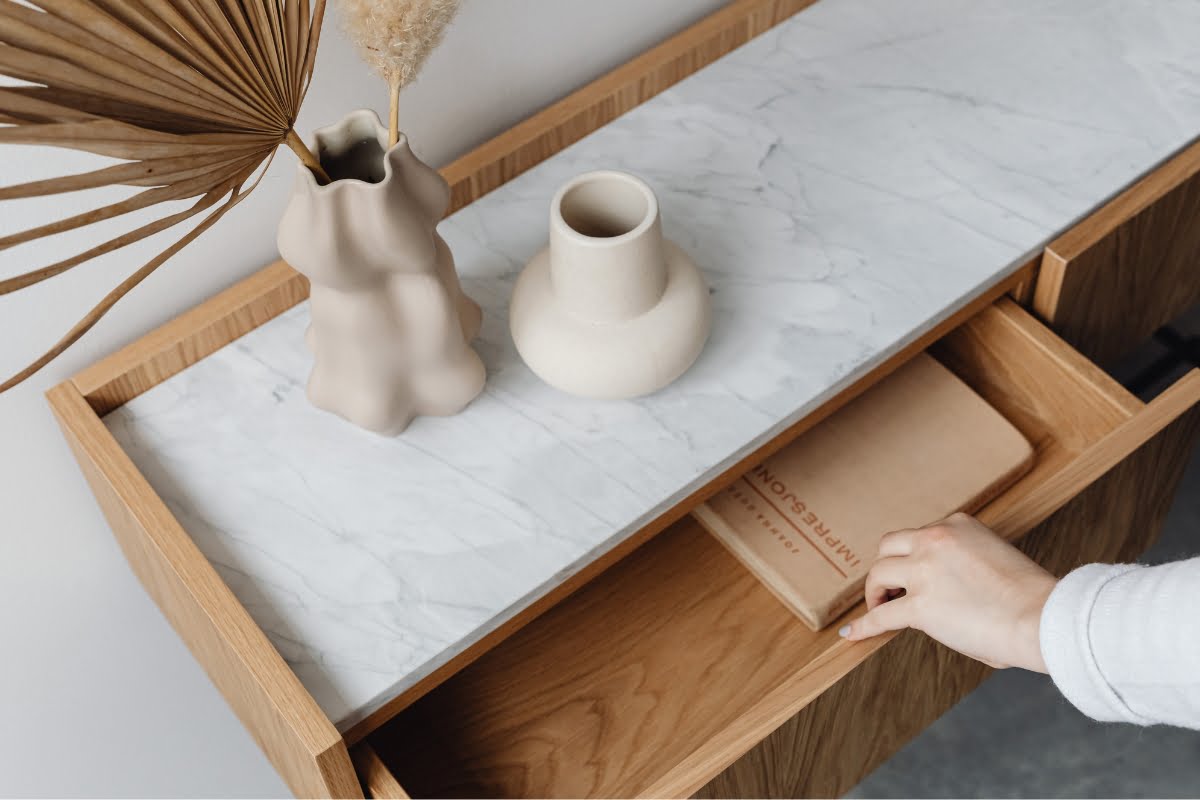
(362, 160)
(605, 206)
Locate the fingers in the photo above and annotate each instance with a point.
(898, 543)
(891, 616)
(887, 575)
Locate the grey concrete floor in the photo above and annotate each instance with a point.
(1015, 736)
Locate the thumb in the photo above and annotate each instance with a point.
(891, 616)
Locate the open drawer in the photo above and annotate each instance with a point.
(675, 663)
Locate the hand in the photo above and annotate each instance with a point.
(963, 585)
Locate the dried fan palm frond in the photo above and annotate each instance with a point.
(395, 37)
(193, 96)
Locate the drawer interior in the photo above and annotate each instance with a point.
(675, 661)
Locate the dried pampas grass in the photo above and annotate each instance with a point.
(193, 96)
(395, 37)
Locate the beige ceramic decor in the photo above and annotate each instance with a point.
(390, 323)
(610, 309)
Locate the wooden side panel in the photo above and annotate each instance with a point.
(282, 717)
(1134, 265)
(190, 337)
(867, 716)
(377, 780)
(611, 95)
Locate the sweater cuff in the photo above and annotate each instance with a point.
(1065, 639)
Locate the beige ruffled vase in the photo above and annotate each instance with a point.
(391, 325)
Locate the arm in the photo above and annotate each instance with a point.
(1121, 642)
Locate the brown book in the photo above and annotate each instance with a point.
(913, 449)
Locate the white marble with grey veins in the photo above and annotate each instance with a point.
(845, 181)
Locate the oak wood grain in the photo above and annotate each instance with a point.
(378, 782)
(1129, 268)
(900, 690)
(667, 668)
(261, 689)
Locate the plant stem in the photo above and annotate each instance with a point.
(394, 112)
(306, 156)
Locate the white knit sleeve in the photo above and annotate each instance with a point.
(1122, 642)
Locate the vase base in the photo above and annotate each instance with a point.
(611, 360)
(387, 409)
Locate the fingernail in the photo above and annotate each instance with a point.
(844, 631)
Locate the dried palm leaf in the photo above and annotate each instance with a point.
(192, 96)
(395, 37)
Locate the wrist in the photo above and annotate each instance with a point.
(1028, 653)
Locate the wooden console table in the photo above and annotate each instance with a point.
(849, 217)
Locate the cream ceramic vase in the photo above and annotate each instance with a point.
(390, 325)
(610, 309)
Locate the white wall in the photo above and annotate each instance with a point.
(97, 695)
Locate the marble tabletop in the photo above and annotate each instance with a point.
(846, 181)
